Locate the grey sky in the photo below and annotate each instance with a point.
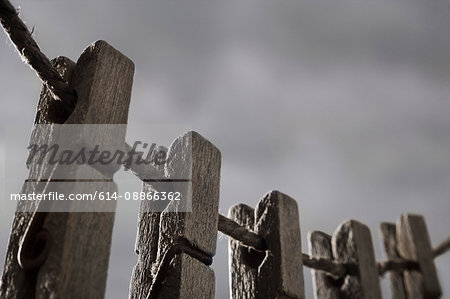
(343, 105)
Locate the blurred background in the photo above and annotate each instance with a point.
(343, 105)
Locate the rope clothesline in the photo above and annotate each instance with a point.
(32, 55)
(251, 239)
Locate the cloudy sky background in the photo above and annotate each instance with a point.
(343, 105)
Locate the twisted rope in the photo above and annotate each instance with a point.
(32, 55)
(336, 270)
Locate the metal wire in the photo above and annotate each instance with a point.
(35, 245)
(181, 245)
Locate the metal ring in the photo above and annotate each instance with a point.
(36, 244)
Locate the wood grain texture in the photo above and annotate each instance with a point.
(243, 261)
(413, 243)
(389, 238)
(188, 278)
(190, 157)
(281, 272)
(352, 243)
(103, 79)
(147, 238)
(324, 287)
(17, 283)
(78, 261)
(146, 249)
